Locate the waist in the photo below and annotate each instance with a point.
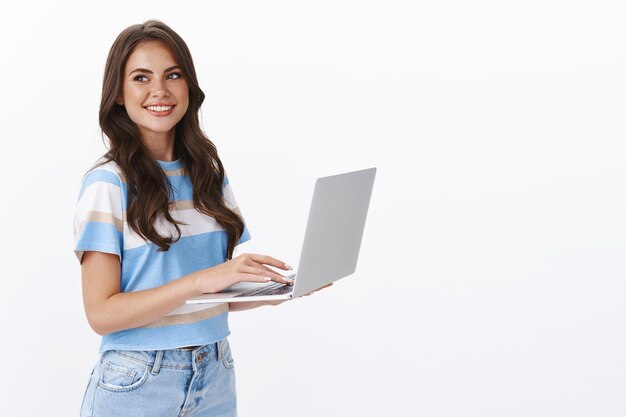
(187, 348)
(169, 337)
(186, 357)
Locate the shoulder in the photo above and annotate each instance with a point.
(104, 170)
(103, 178)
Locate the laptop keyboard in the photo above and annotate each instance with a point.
(275, 288)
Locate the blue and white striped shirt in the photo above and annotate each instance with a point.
(100, 225)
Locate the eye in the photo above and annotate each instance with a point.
(175, 76)
(140, 78)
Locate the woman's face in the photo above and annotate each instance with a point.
(154, 91)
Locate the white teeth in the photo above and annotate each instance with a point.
(159, 108)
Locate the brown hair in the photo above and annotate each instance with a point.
(148, 187)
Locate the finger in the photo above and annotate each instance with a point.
(264, 272)
(268, 260)
(283, 279)
(254, 278)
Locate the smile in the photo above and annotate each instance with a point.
(159, 109)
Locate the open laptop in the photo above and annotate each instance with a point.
(331, 242)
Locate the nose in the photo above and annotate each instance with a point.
(159, 88)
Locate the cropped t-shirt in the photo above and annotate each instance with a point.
(100, 225)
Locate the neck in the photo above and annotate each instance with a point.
(159, 144)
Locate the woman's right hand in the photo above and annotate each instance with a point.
(247, 267)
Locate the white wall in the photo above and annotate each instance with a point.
(491, 276)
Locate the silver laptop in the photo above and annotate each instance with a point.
(331, 242)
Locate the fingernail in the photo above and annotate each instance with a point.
(288, 267)
(289, 280)
(267, 278)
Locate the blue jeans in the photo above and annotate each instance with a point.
(163, 383)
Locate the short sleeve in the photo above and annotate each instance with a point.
(99, 217)
(231, 203)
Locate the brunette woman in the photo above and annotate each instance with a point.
(157, 223)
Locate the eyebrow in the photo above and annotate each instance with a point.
(151, 72)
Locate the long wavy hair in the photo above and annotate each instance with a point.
(148, 187)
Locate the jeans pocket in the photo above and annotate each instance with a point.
(121, 374)
(226, 355)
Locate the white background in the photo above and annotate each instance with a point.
(491, 277)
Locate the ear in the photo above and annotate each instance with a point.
(119, 100)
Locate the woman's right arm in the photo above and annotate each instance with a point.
(109, 310)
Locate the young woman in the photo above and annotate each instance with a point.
(156, 223)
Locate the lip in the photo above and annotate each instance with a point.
(160, 113)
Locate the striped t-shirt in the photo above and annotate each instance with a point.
(100, 225)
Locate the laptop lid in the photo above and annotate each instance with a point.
(332, 238)
(334, 230)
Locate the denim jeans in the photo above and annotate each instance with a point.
(163, 383)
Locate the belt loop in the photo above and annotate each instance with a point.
(218, 349)
(157, 362)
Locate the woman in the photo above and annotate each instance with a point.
(156, 224)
